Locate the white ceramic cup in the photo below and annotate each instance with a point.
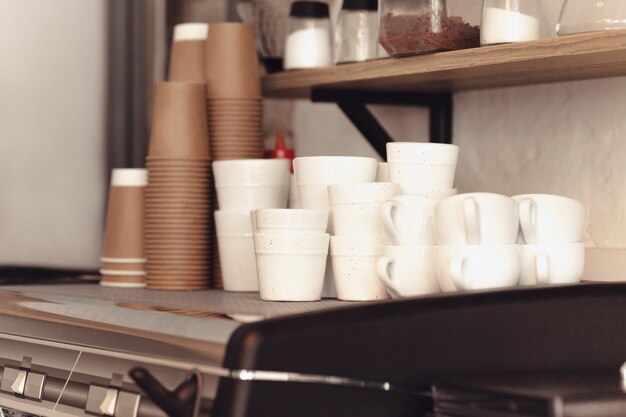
(408, 220)
(547, 219)
(237, 262)
(315, 173)
(356, 208)
(291, 221)
(408, 271)
(233, 222)
(354, 261)
(416, 166)
(477, 267)
(238, 197)
(552, 264)
(237, 172)
(476, 218)
(291, 267)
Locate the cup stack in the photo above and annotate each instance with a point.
(234, 101)
(355, 246)
(123, 256)
(551, 228)
(234, 105)
(291, 249)
(178, 201)
(477, 235)
(425, 172)
(242, 186)
(187, 56)
(313, 176)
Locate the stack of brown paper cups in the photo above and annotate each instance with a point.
(234, 103)
(123, 258)
(178, 199)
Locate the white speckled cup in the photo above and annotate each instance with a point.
(291, 266)
(354, 262)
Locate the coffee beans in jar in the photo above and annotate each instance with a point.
(410, 27)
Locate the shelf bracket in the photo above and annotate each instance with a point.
(354, 106)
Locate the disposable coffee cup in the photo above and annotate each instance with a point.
(187, 56)
(232, 68)
(179, 125)
(125, 215)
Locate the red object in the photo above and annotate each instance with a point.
(280, 151)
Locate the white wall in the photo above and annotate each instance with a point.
(52, 107)
(567, 139)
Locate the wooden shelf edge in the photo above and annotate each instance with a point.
(574, 57)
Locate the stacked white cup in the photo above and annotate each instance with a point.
(551, 228)
(355, 246)
(425, 172)
(477, 234)
(243, 185)
(313, 176)
(291, 248)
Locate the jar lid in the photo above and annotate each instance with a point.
(371, 5)
(313, 9)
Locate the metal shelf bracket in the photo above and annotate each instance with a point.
(354, 105)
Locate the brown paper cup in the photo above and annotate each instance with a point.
(179, 126)
(125, 223)
(187, 60)
(232, 68)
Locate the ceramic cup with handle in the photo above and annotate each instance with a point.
(475, 219)
(408, 220)
(477, 267)
(552, 264)
(408, 271)
(548, 219)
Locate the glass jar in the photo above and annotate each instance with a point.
(309, 38)
(356, 36)
(591, 15)
(410, 27)
(506, 21)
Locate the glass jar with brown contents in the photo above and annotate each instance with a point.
(412, 27)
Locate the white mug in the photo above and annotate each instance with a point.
(408, 271)
(476, 267)
(546, 218)
(354, 262)
(290, 220)
(408, 220)
(552, 264)
(476, 218)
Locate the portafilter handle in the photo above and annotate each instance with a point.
(178, 403)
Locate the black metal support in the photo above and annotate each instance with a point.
(353, 104)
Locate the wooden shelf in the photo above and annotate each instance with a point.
(575, 57)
